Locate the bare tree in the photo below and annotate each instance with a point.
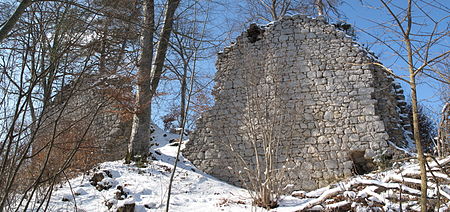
(443, 72)
(10, 22)
(149, 75)
(264, 166)
(272, 10)
(35, 62)
(50, 52)
(416, 36)
(188, 40)
(269, 141)
(444, 131)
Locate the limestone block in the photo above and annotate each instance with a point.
(210, 154)
(329, 115)
(369, 153)
(348, 172)
(307, 166)
(312, 150)
(379, 126)
(368, 110)
(353, 138)
(309, 184)
(348, 165)
(331, 164)
(201, 155)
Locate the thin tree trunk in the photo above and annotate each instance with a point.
(183, 94)
(273, 10)
(185, 109)
(404, 24)
(163, 44)
(420, 153)
(9, 24)
(319, 6)
(149, 76)
(140, 133)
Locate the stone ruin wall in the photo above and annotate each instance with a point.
(79, 103)
(315, 89)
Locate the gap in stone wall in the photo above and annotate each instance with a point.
(361, 164)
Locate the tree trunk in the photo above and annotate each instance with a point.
(149, 76)
(273, 10)
(9, 24)
(319, 6)
(183, 94)
(163, 44)
(140, 132)
(420, 154)
(412, 83)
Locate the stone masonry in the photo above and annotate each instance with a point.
(86, 112)
(309, 93)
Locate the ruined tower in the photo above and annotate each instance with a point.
(308, 93)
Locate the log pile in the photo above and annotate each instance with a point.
(394, 190)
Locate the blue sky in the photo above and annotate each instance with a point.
(367, 17)
(364, 18)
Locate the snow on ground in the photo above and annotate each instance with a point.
(194, 190)
(147, 187)
(392, 190)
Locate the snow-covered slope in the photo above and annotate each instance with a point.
(193, 190)
(147, 187)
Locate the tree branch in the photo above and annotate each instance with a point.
(9, 24)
